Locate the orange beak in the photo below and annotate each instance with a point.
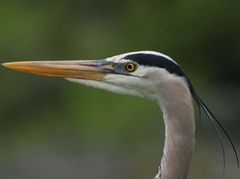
(78, 69)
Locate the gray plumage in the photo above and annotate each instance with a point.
(145, 74)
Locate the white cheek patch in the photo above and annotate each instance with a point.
(126, 82)
(140, 71)
(143, 72)
(130, 83)
(106, 86)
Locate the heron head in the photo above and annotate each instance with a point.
(143, 73)
(136, 73)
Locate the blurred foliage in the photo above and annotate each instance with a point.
(40, 115)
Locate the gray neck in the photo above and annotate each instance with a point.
(179, 136)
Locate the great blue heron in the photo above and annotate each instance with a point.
(145, 74)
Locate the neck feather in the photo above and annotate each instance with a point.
(179, 123)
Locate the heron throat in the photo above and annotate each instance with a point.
(178, 114)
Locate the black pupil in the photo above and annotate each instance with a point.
(130, 66)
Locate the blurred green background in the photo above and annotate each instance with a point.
(54, 129)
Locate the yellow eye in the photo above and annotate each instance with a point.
(130, 67)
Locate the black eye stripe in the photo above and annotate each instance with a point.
(156, 61)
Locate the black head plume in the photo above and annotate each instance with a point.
(215, 122)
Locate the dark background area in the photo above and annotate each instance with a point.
(51, 128)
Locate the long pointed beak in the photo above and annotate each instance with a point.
(78, 69)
